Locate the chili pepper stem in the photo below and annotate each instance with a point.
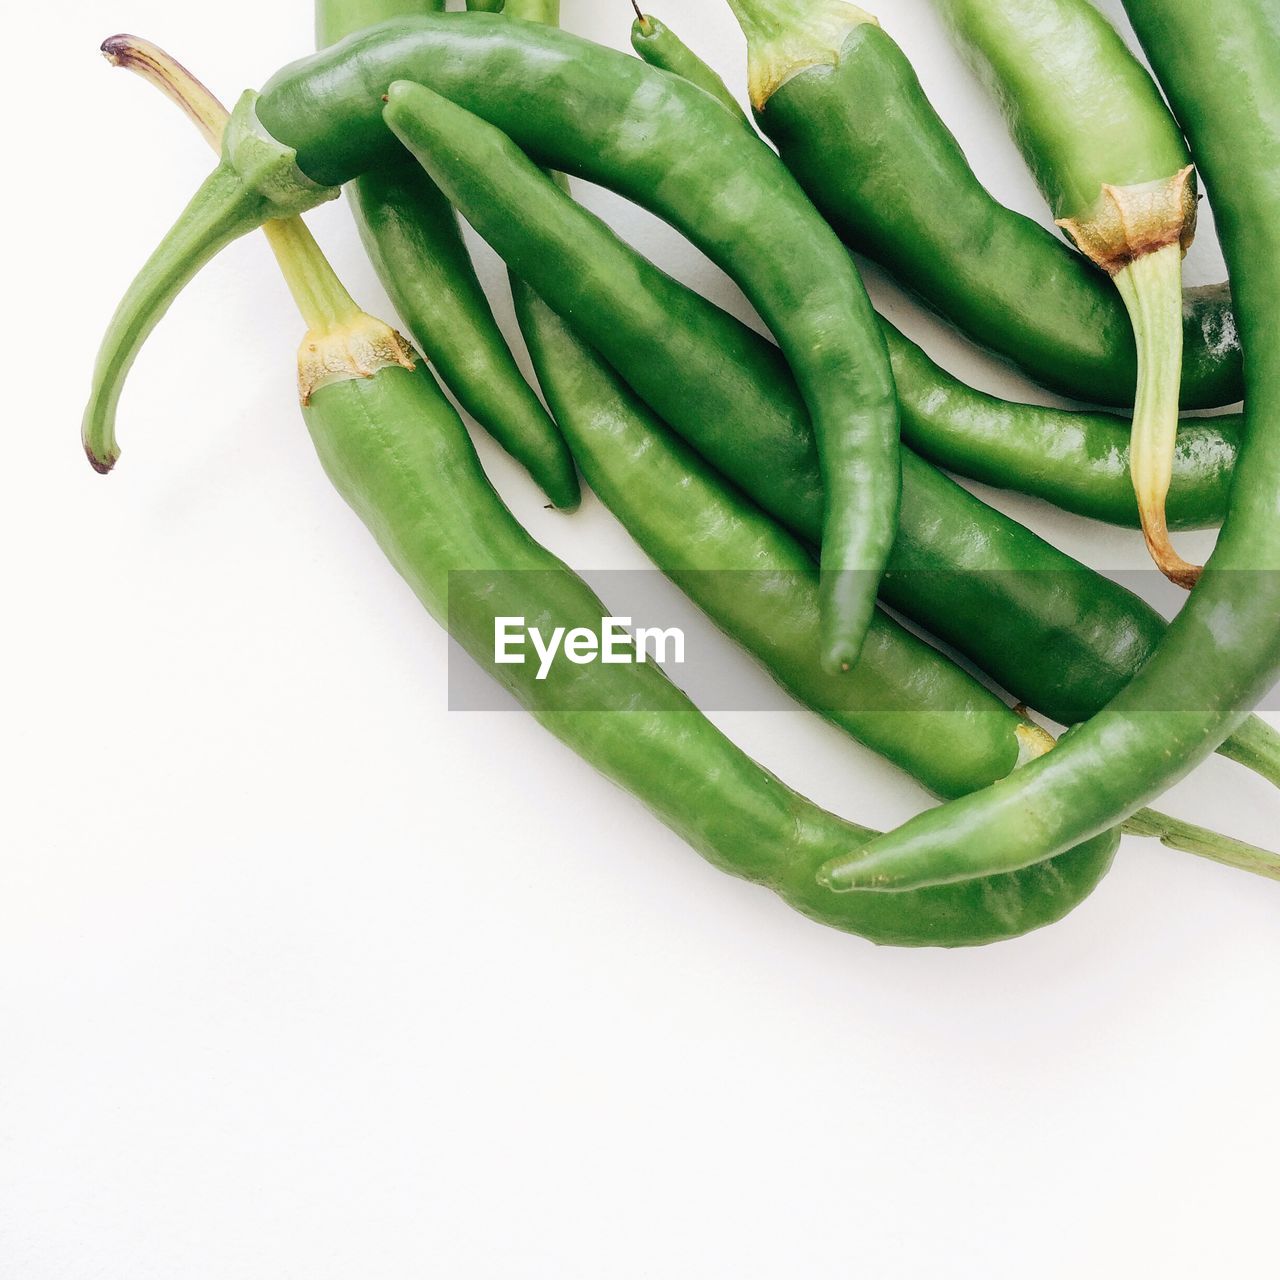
(342, 341)
(1139, 235)
(642, 20)
(256, 179)
(1256, 745)
(786, 36)
(223, 210)
(1151, 287)
(1173, 833)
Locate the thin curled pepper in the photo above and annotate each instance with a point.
(412, 236)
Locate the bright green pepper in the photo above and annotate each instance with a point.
(1218, 64)
(411, 233)
(400, 456)
(851, 121)
(1060, 637)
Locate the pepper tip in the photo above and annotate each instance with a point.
(103, 466)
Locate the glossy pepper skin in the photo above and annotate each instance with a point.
(1218, 65)
(1077, 461)
(662, 142)
(758, 583)
(398, 454)
(412, 236)
(1061, 638)
(863, 140)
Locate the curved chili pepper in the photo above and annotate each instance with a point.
(1077, 461)
(1061, 638)
(851, 121)
(392, 444)
(398, 453)
(411, 234)
(1217, 63)
(659, 141)
(904, 700)
(1116, 172)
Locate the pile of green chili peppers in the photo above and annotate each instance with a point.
(796, 489)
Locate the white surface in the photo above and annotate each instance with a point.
(301, 976)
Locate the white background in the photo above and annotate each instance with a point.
(302, 976)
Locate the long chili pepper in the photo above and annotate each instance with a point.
(398, 453)
(753, 578)
(903, 699)
(848, 115)
(1061, 638)
(656, 139)
(412, 236)
(756, 582)
(1115, 169)
(1218, 65)
(1077, 461)
(601, 114)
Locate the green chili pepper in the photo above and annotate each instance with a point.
(851, 121)
(660, 47)
(1061, 638)
(1113, 165)
(659, 141)
(648, 135)
(1077, 461)
(759, 584)
(400, 456)
(412, 236)
(1218, 65)
(903, 699)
